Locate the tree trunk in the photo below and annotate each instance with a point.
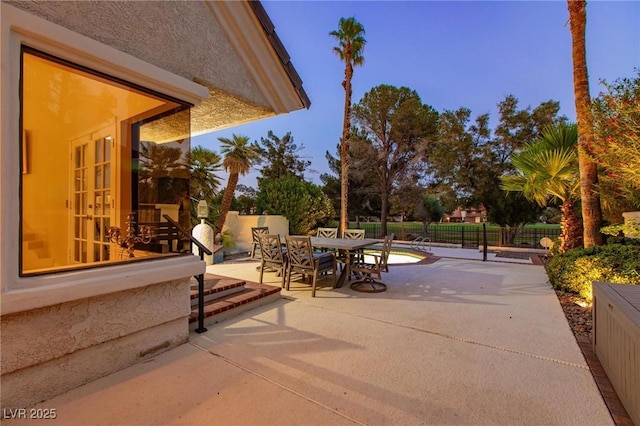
(226, 201)
(344, 147)
(591, 209)
(384, 202)
(571, 236)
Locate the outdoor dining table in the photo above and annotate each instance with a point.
(345, 246)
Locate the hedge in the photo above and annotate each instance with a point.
(576, 269)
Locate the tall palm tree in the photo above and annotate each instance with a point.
(239, 156)
(350, 48)
(204, 165)
(591, 208)
(547, 169)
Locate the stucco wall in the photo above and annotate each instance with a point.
(182, 37)
(633, 219)
(240, 227)
(49, 350)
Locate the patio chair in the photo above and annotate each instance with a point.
(255, 245)
(273, 257)
(351, 234)
(327, 233)
(302, 259)
(366, 270)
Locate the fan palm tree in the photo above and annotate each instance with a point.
(547, 170)
(204, 165)
(591, 208)
(350, 48)
(239, 156)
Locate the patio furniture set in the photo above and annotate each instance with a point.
(325, 253)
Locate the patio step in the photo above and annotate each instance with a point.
(215, 287)
(228, 297)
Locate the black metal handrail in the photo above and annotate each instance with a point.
(203, 250)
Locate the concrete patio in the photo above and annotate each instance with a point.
(453, 342)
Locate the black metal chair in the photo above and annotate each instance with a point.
(302, 259)
(366, 270)
(273, 256)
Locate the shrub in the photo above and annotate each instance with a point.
(303, 203)
(575, 270)
(625, 241)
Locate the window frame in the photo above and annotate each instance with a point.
(135, 142)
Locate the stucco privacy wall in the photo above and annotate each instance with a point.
(49, 350)
(240, 228)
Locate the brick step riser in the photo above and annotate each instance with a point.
(217, 295)
(236, 310)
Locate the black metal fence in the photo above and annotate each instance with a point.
(466, 235)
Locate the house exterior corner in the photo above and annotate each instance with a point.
(98, 104)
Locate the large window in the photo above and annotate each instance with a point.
(96, 153)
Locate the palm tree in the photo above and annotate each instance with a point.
(162, 173)
(239, 156)
(350, 48)
(547, 170)
(591, 208)
(204, 165)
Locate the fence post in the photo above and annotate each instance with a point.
(462, 239)
(484, 243)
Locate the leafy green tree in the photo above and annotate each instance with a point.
(591, 208)
(331, 181)
(430, 209)
(303, 203)
(395, 128)
(547, 170)
(364, 191)
(246, 202)
(280, 157)
(468, 159)
(616, 126)
(351, 41)
(456, 157)
(239, 156)
(406, 198)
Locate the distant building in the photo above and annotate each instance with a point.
(467, 215)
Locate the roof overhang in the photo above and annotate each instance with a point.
(251, 33)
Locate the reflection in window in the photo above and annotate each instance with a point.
(94, 150)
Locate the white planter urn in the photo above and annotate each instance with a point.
(203, 233)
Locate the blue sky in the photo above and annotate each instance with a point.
(452, 53)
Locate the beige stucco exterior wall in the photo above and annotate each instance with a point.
(50, 350)
(632, 218)
(240, 228)
(157, 32)
(187, 39)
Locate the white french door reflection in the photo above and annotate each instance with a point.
(92, 199)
